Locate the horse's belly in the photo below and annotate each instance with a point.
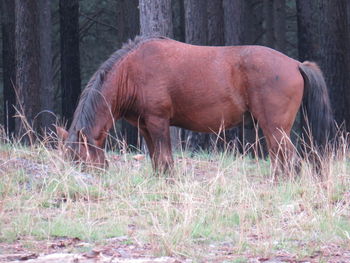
(208, 119)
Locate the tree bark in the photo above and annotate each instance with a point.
(9, 65)
(128, 19)
(128, 24)
(279, 25)
(240, 17)
(236, 21)
(47, 118)
(268, 23)
(178, 13)
(70, 56)
(309, 19)
(243, 22)
(216, 36)
(256, 18)
(335, 62)
(156, 17)
(27, 62)
(196, 32)
(196, 21)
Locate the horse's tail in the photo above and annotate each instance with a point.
(317, 107)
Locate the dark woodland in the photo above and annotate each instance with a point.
(51, 48)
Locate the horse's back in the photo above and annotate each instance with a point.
(202, 88)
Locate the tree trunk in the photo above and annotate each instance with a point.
(27, 62)
(9, 65)
(240, 16)
(128, 24)
(235, 17)
(128, 19)
(216, 36)
(236, 21)
(46, 82)
(334, 53)
(279, 25)
(268, 23)
(309, 19)
(70, 56)
(178, 12)
(156, 17)
(256, 18)
(196, 21)
(196, 28)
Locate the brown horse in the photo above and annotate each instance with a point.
(157, 82)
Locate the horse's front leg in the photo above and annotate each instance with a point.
(149, 142)
(158, 129)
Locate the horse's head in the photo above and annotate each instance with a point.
(80, 147)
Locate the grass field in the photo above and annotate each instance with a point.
(220, 205)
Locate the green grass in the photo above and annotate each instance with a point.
(216, 199)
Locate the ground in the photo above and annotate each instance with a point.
(220, 207)
(116, 250)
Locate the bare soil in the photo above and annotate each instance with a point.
(121, 250)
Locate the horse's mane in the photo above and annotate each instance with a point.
(91, 97)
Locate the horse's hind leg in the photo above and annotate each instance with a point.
(158, 129)
(282, 152)
(276, 129)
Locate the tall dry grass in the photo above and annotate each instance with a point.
(219, 202)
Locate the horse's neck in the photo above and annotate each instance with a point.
(119, 97)
(125, 96)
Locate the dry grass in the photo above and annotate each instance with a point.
(220, 203)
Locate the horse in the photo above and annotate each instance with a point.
(156, 82)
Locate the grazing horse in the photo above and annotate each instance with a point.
(157, 82)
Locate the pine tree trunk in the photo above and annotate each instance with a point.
(256, 18)
(240, 16)
(235, 26)
(308, 17)
(47, 118)
(70, 56)
(9, 65)
(196, 21)
(279, 25)
(268, 23)
(309, 30)
(196, 32)
(27, 62)
(216, 36)
(156, 17)
(128, 19)
(235, 13)
(128, 24)
(335, 61)
(178, 12)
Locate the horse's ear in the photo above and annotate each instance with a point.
(61, 133)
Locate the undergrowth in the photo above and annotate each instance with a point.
(217, 200)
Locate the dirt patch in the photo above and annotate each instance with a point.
(74, 250)
(121, 249)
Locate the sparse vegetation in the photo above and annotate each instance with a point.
(217, 200)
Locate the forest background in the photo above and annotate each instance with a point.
(222, 206)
